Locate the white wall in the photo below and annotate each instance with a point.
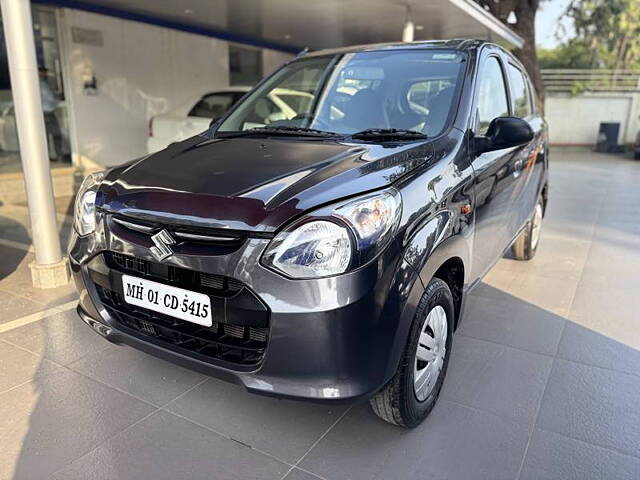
(141, 71)
(576, 120)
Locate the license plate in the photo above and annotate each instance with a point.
(177, 302)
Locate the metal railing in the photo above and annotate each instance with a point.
(577, 81)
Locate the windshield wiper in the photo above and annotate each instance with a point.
(284, 130)
(388, 134)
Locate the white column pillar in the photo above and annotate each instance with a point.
(50, 268)
(408, 32)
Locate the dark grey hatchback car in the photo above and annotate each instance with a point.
(324, 255)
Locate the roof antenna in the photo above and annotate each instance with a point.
(302, 53)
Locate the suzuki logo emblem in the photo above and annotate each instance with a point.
(162, 240)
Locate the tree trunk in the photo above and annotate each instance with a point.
(525, 12)
(525, 27)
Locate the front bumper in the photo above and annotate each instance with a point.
(334, 339)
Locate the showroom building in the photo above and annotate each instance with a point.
(114, 64)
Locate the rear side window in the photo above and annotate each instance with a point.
(519, 92)
(492, 94)
(215, 105)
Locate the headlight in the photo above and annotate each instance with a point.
(314, 249)
(85, 207)
(372, 217)
(334, 239)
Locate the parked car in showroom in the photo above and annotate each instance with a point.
(195, 116)
(191, 118)
(326, 256)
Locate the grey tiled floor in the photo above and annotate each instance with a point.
(544, 380)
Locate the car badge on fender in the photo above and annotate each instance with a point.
(162, 240)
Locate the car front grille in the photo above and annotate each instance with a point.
(180, 277)
(237, 338)
(189, 240)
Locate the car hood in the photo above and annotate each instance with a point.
(251, 183)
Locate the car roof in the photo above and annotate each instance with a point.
(462, 44)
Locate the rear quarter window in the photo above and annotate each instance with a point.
(520, 95)
(215, 105)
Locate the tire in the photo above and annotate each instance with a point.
(398, 402)
(526, 245)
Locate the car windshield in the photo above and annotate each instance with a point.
(346, 94)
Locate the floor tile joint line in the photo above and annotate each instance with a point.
(106, 440)
(36, 316)
(317, 442)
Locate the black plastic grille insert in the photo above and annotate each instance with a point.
(240, 345)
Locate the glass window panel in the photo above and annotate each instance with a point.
(492, 94)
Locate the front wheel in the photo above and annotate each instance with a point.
(526, 245)
(411, 394)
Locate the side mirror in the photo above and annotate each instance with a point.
(503, 132)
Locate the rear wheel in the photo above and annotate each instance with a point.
(526, 245)
(414, 389)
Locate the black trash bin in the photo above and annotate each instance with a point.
(608, 138)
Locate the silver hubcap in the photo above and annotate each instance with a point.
(536, 226)
(432, 348)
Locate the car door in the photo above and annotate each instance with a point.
(495, 183)
(528, 169)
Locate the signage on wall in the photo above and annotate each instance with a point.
(86, 36)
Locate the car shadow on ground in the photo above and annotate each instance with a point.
(9, 263)
(100, 411)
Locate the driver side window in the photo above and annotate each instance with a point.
(492, 95)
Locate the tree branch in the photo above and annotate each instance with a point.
(525, 12)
